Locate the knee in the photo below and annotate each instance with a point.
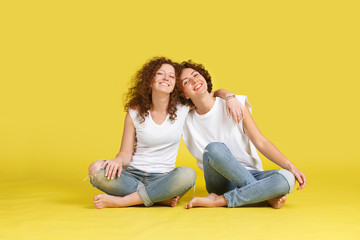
(187, 175)
(95, 166)
(213, 149)
(217, 152)
(289, 178)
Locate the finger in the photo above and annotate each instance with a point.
(235, 116)
(233, 113)
(304, 180)
(103, 164)
(298, 178)
(111, 170)
(107, 170)
(238, 116)
(301, 181)
(114, 171)
(119, 171)
(228, 112)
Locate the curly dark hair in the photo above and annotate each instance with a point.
(199, 68)
(139, 96)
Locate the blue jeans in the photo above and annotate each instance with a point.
(224, 175)
(152, 187)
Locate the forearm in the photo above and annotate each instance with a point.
(270, 151)
(223, 93)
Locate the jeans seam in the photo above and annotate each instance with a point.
(144, 195)
(211, 163)
(256, 183)
(239, 190)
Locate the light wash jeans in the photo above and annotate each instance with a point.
(224, 175)
(152, 187)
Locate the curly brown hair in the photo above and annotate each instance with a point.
(200, 69)
(139, 96)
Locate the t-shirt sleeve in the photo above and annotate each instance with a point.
(134, 114)
(183, 110)
(243, 101)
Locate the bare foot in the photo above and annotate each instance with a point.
(277, 202)
(172, 202)
(211, 200)
(107, 201)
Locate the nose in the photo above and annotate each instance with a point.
(192, 80)
(166, 77)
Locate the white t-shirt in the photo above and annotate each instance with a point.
(157, 145)
(215, 126)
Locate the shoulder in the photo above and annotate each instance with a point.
(133, 112)
(241, 98)
(183, 108)
(243, 101)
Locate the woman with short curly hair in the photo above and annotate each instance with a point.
(226, 150)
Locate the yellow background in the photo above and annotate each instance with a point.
(65, 65)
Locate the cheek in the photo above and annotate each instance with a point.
(186, 90)
(156, 79)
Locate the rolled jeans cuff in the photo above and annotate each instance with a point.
(228, 200)
(144, 195)
(289, 178)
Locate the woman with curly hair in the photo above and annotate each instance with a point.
(225, 149)
(152, 131)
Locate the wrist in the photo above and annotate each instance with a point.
(290, 167)
(118, 159)
(230, 96)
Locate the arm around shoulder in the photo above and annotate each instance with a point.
(233, 106)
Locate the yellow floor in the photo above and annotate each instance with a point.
(65, 65)
(328, 208)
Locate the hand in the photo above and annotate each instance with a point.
(112, 166)
(299, 176)
(234, 108)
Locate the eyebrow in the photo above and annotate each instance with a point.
(164, 71)
(190, 74)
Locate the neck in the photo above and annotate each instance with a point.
(204, 103)
(160, 102)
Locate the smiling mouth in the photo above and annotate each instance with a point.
(164, 84)
(198, 86)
